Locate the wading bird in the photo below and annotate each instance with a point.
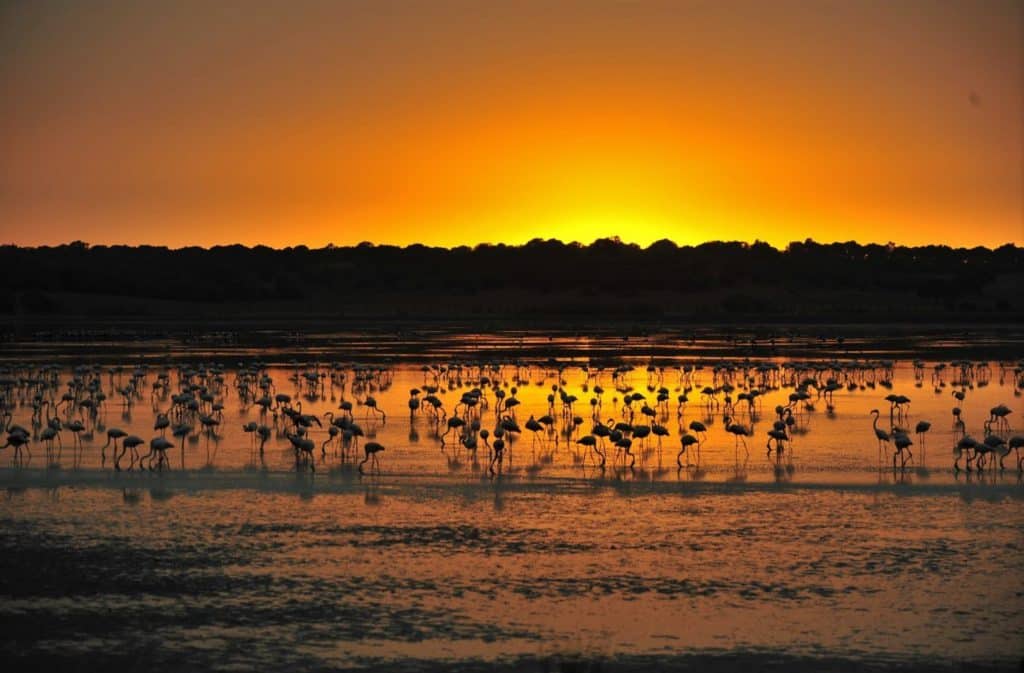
(371, 449)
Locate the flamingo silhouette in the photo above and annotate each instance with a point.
(371, 404)
(129, 443)
(499, 453)
(159, 446)
(18, 440)
(1016, 443)
(303, 449)
(968, 445)
(739, 431)
(880, 435)
(371, 450)
(902, 442)
(921, 428)
(113, 434)
(686, 441)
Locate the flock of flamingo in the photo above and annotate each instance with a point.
(188, 404)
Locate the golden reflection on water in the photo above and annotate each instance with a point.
(832, 436)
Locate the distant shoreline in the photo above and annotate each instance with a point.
(542, 283)
(410, 341)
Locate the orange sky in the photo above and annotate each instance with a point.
(460, 122)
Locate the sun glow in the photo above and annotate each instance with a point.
(685, 121)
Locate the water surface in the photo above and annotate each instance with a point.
(824, 558)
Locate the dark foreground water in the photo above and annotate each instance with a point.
(528, 576)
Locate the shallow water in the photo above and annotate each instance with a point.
(823, 559)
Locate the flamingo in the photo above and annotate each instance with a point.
(958, 421)
(921, 428)
(533, 426)
(48, 434)
(590, 442)
(162, 423)
(484, 435)
(966, 444)
(129, 443)
(250, 429)
(903, 443)
(625, 443)
(547, 421)
(301, 445)
(994, 444)
(981, 451)
(740, 432)
(880, 435)
(454, 423)
(18, 439)
(681, 400)
(75, 427)
(371, 449)
(997, 416)
(1016, 443)
(699, 428)
(601, 431)
(332, 433)
(181, 431)
(209, 424)
(641, 432)
(659, 431)
(511, 404)
(778, 433)
(113, 434)
(263, 432)
(371, 404)
(499, 453)
(159, 446)
(686, 441)
(509, 425)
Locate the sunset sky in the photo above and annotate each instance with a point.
(448, 123)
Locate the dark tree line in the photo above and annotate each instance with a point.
(740, 278)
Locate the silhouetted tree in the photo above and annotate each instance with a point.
(720, 279)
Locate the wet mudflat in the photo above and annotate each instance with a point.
(422, 577)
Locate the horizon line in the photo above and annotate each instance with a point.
(615, 240)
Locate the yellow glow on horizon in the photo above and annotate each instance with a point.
(443, 126)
